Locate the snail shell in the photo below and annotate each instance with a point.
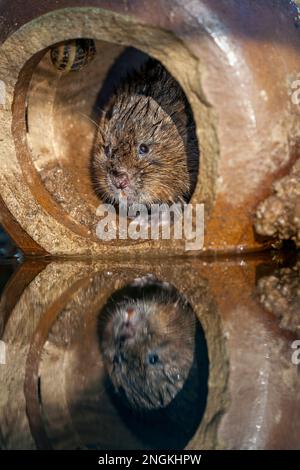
(73, 55)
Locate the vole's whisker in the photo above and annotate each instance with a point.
(89, 119)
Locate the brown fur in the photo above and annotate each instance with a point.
(138, 327)
(149, 108)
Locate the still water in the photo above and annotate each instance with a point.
(150, 354)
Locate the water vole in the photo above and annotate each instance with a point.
(146, 148)
(148, 344)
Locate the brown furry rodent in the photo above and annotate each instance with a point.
(147, 337)
(146, 148)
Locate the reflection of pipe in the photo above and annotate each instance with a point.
(31, 383)
(14, 288)
(7, 248)
(59, 285)
(263, 381)
(264, 384)
(257, 435)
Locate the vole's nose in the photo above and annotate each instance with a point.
(127, 331)
(120, 179)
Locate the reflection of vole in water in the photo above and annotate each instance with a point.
(146, 148)
(148, 344)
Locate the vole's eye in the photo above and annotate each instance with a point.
(153, 358)
(143, 149)
(107, 151)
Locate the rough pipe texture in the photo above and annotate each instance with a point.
(236, 61)
(279, 215)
